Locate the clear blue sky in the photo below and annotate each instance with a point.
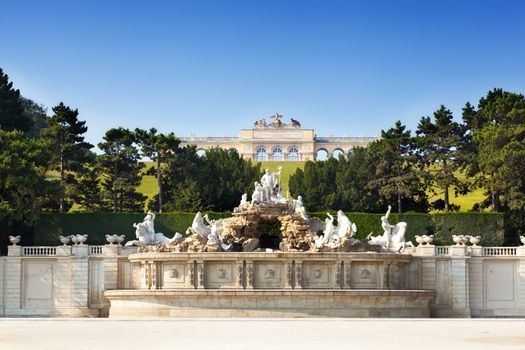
(214, 67)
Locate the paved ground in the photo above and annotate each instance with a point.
(268, 334)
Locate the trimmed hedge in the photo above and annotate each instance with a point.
(97, 225)
(487, 225)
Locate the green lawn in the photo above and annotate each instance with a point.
(288, 169)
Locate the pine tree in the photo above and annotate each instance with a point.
(121, 170)
(157, 147)
(12, 115)
(64, 139)
(438, 143)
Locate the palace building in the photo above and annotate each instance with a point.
(279, 141)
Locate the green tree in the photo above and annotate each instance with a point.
(158, 147)
(23, 186)
(500, 139)
(12, 116)
(64, 137)
(88, 189)
(437, 148)
(121, 170)
(215, 181)
(37, 113)
(395, 176)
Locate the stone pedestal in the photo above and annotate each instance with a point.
(14, 250)
(80, 250)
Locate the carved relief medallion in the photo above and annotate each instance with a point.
(221, 273)
(269, 274)
(365, 274)
(174, 273)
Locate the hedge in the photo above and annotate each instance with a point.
(487, 225)
(97, 225)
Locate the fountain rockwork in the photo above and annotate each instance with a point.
(221, 270)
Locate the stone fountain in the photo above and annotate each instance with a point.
(222, 268)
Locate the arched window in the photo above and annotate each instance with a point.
(321, 154)
(277, 154)
(293, 154)
(337, 153)
(260, 154)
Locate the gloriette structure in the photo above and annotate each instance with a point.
(280, 141)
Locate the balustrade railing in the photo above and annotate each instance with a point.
(39, 251)
(440, 251)
(95, 250)
(499, 251)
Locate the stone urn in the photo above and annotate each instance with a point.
(65, 239)
(81, 239)
(120, 239)
(475, 240)
(522, 239)
(459, 239)
(111, 239)
(428, 239)
(78, 239)
(419, 239)
(14, 239)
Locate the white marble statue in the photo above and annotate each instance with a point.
(345, 228)
(328, 234)
(393, 238)
(146, 235)
(270, 184)
(198, 226)
(299, 207)
(215, 237)
(258, 193)
(244, 200)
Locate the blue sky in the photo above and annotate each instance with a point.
(213, 67)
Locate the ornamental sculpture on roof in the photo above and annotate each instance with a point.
(277, 122)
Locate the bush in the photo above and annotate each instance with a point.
(490, 226)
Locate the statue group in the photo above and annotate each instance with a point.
(276, 123)
(299, 232)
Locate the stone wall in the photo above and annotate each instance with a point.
(71, 280)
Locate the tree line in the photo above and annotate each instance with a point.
(443, 157)
(46, 165)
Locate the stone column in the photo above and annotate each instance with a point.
(79, 276)
(250, 274)
(13, 281)
(459, 281)
(200, 274)
(521, 271)
(338, 278)
(347, 269)
(288, 275)
(190, 280)
(239, 271)
(298, 274)
(109, 273)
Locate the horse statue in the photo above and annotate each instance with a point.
(198, 226)
(146, 235)
(393, 238)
